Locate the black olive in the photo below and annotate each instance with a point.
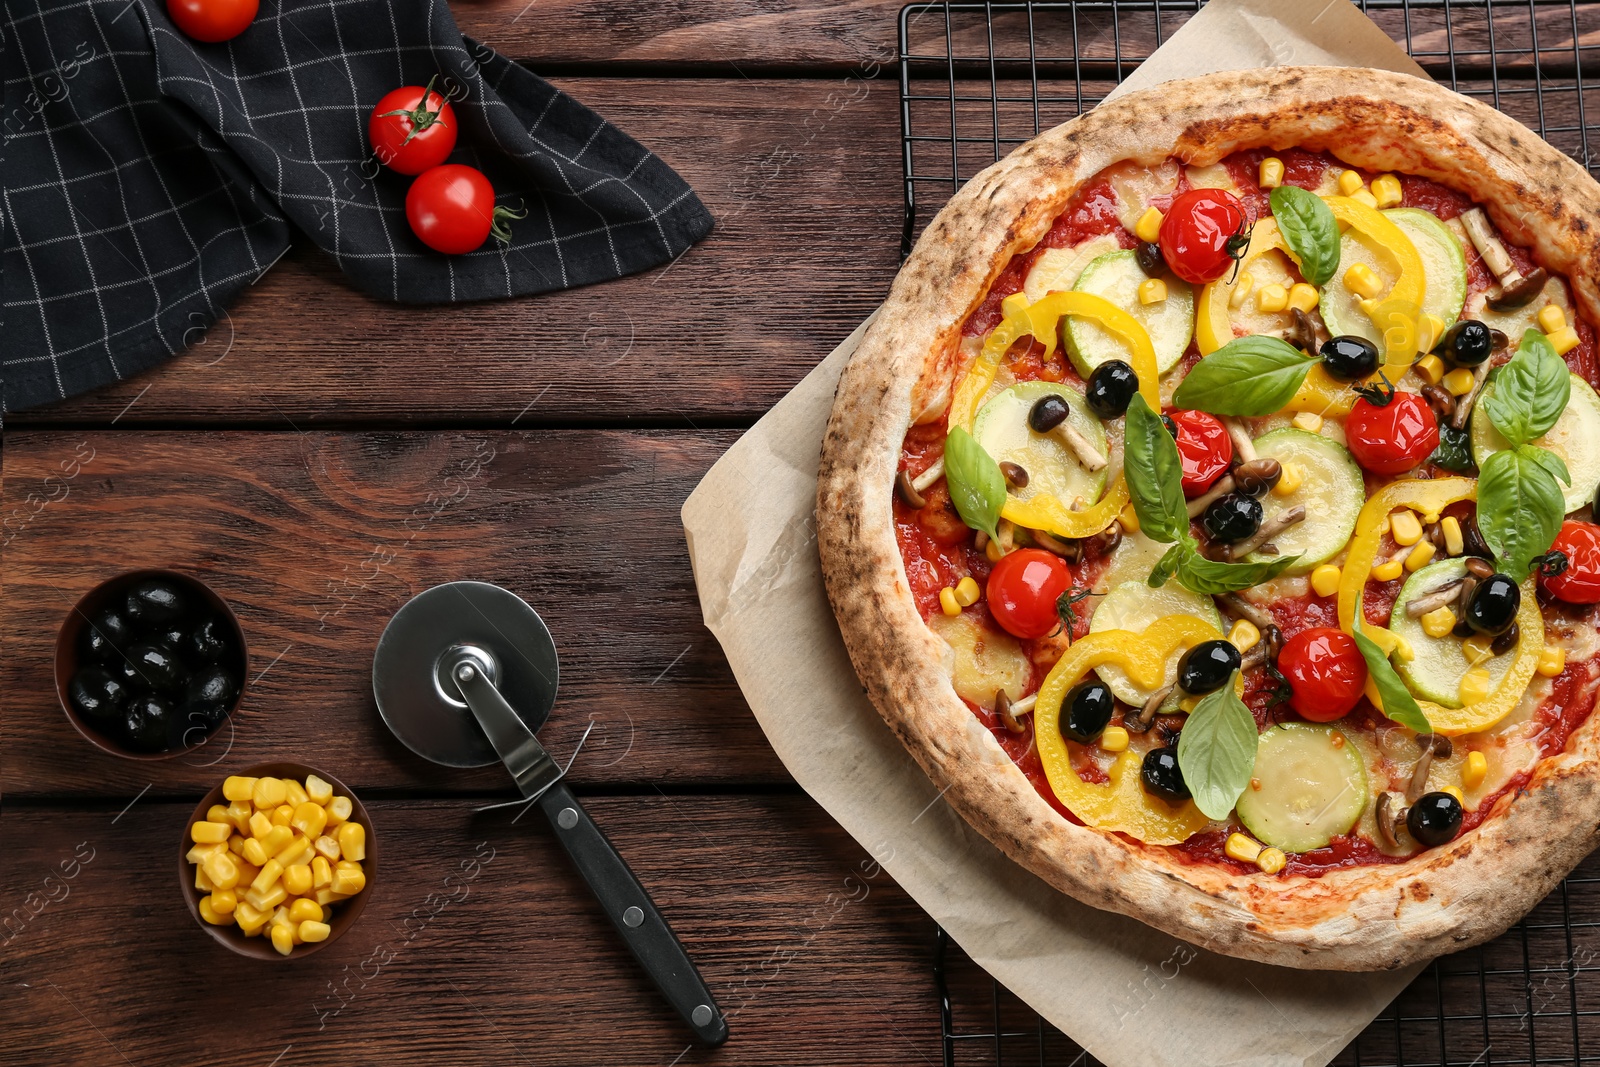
(1087, 710)
(1494, 605)
(1110, 388)
(1348, 357)
(1594, 505)
(1148, 256)
(1466, 344)
(105, 636)
(156, 603)
(1172, 427)
(206, 717)
(1048, 412)
(213, 685)
(174, 637)
(209, 642)
(157, 668)
(1232, 517)
(146, 722)
(1161, 775)
(1206, 667)
(1434, 819)
(98, 693)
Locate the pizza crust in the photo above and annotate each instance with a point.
(1365, 918)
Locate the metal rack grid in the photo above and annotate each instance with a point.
(976, 80)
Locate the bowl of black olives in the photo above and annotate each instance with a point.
(149, 664)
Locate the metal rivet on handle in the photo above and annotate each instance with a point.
(633, 916)
(703, 1015)
(567, 818)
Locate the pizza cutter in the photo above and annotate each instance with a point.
(465, 673)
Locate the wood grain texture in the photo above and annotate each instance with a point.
(315, 540)
(479, 945)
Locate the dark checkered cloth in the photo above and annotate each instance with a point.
(148, 178)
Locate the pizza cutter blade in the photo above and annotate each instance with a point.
(464, 674)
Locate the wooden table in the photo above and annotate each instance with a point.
(310, 461)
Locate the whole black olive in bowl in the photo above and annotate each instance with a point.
(207, 643)
(146, 723)
(98, 694)
(106, 635)
(156, 668)
(155, 602)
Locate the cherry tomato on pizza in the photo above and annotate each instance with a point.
(1391, 435)
(1204, 447)
(1325, 671)
(412, 129)
(451, 208)
(1203, 234)
(212, 21)
(1023, 589)
(1580, 582)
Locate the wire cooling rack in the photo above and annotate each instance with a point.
(978, 79)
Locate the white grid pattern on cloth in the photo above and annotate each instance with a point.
(152, 178)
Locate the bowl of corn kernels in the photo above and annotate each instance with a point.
(277, 861)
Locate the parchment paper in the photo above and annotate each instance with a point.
(1131, 996)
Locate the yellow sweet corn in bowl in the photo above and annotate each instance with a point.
(277, 861)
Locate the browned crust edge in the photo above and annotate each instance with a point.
(1365, 918)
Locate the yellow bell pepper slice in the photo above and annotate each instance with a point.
(1411, 285)
(969, 391)
(1122, 804)
(1430, 497)
(1213, 327)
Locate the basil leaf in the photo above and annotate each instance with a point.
(1209, 577)
(1520, 508)
(977, 488)
(1217, 751)
(1398, 703)
(1309, 229)
(1530, 392)
(1455, 450)
(1165, 568)
(1548, 460)
(1154, 474)
(1255, 375)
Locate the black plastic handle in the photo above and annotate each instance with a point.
(634, 914)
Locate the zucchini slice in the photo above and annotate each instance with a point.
(1575, 438)
(1058, 269)
(1134, 606)
(1437, 664)
(1443, 262)
(1002, 429)
(1332, 492)
(1117, 276)
(1308, 787)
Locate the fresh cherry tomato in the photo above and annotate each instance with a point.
(212, 21)
(451, 207)
(1391, 438)
(1325, 671)
(1203, 234)
(1022, 592)
(1580, 582)
(1204, 447)
(412, 129)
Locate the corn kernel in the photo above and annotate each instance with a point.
(321, 872)
(1128, 519)
(201, 881)
(236, 844)
(267, 899)
(296, 851)
(1552, 661)
(1474, 685)
(280, 917)
(1403, 650)
(1387, 572)
(247, 870)
(318, 791)
(1454, 543)
(210, 833)
(353, 841)
(1152, 291)
(268, 793)
(1271, 173)
(1459, 381)
(1325, 579)
(1243, 848)
(217, 813)
(1405, 527)
(297, 879)
(1364, 196)
(1474, 770)
(1350, 182)
(1386, 190)
(1552, 318)
(1477, 649)
(1271, 860)
(198, 853)
(327, 896)
(1563, 340)
(1291, 477)
(1241, 290)
(991, 552)
(310, 818)
(1455, 791)
(339, 808)
(348, 878)
(1244, 635)
(223, 901)
(221, 869)
(249, 918)
(303, 908)
(211, 915)
(237, 788)
(260, 824)
(1272, 298)
(327, 847)
(1308, 421)
(1439, 622)
(270, 872)
(1368, 307)
(256, 852)
(314, 930)
(967, 594)
(282, 939)
(1429, 329)
(1361, 280)
(948, 602)
(1148, 228)
(1114, 739)
(1420, 555)
(1303, 296)
(1188, 704)
(239, 813)
(282, 814)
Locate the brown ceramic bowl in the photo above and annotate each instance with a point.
(69, 654)
(345, 913)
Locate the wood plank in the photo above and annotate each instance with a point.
(317, 539)
(478, 946)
